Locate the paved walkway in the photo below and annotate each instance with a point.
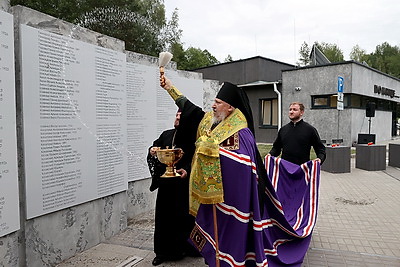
(358, 225)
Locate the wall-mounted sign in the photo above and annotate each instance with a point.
(340, 105)
(384, 91)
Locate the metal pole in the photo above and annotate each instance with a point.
(369, 127)
(338, 119)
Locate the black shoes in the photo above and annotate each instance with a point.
(157, 261)
(160, 259)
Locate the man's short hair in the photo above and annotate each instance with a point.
(298, 103)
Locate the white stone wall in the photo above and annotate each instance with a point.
(52, 238)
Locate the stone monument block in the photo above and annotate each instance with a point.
(337, 159)
(371, 157)
(394, 155)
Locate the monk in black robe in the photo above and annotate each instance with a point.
(173, 222)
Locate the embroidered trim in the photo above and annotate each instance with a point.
(232, 142)
(198, 238)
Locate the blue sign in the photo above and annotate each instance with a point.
(340, 84)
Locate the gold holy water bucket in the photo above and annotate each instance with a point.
(170, 156)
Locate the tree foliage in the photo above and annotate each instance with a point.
(71, 10)
(331, 51)
(191, 58)
(304, 52)
(358, 54)
(172, 34)
(199, 58)
(385, 58)
(140, 33)
(142, 24)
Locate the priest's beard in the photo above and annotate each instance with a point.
(217, 118)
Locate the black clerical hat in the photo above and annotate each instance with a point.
(237, 97)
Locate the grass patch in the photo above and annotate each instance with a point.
(264, 149)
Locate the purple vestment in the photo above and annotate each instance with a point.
(278, 237)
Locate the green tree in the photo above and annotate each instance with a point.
(140, 23)
(304, 52)
(138, 32)
(358, 54)
(331, 51)
(71, 10)
(172, 33)
(197, 58)
(191, 58)
(179, 54)
(386, 58)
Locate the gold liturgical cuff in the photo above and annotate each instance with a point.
(174, 93)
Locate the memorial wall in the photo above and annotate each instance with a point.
(9, 196)
(89, 118)
(77, 116)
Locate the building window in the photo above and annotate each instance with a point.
(350, 101)
(355, 101)
(320, 101)
(324, 101)
(269, 112)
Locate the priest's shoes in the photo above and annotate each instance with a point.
(157, 261)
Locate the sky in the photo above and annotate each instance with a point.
(276, 29)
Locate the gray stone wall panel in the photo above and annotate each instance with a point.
(9, 250)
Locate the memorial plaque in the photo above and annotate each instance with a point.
(150, 111)
(74, 110)
(89, 118)
(9, 195)
(141, 94)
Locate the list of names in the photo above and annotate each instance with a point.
(9, 195)
(74, 121)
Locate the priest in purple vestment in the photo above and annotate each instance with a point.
(241, 219)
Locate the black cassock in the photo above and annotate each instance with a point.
(173, 223)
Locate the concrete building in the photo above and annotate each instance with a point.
(272, 86)
(352, 115)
